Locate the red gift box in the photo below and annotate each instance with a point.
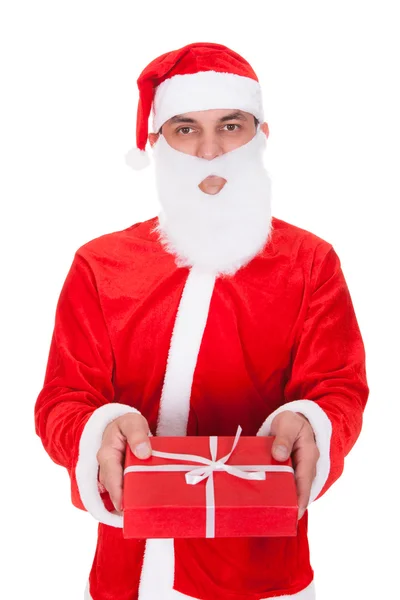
(169, 497)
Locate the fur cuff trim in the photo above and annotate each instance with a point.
(86, 469)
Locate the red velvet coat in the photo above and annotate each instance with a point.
(198, 355)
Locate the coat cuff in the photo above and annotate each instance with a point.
(87, 467)
(322, 428)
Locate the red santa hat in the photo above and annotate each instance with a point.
(199, 76)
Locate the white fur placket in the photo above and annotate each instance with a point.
(157, 576)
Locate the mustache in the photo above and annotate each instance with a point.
(190, 168)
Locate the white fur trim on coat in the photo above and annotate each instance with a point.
(159, 557)
(308, 593)
(86, 469)
(203, 91)
(190, 322)
(322, 428)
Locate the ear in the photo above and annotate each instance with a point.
(153, 137)
(264, 127)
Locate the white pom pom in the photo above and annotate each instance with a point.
(137, 159)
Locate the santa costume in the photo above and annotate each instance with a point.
(200, 334)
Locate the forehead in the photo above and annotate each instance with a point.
(211, 116)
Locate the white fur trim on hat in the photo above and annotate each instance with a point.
(137, 159)
(203, 91)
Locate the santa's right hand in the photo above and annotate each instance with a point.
(129, 428)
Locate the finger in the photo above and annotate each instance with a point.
(285, 427)
(136, 431)
(305, 460)
(100, 483)
(111, 475)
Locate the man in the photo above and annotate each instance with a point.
(211, 315)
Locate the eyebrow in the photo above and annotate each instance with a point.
(235, 115)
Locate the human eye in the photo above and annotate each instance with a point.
(232, 125)
(183, 130)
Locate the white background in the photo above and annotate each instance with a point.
(330, 76)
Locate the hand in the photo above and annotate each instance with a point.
(132, 428)
(294, 433)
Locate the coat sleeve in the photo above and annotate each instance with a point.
(77, 402)
(328, 383)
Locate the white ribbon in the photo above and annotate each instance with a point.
(194, 476)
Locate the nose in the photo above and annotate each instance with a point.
(209, 148)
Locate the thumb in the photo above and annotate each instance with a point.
(284, 429)
(280, 449)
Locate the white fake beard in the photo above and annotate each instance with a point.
(220, 232)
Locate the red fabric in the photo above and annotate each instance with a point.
(282, 328)
(199, 56)
(162, 505)
(328, 364)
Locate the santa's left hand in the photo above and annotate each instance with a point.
(294, 433)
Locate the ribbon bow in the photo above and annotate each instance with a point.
(201, 473)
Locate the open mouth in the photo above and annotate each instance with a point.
(212, 184)
(215, 180)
